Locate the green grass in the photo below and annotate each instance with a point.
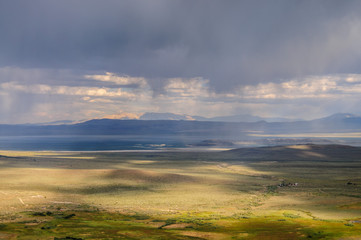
(102, 224)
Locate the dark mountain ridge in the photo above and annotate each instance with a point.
(332, 124)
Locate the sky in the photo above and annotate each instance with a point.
(84, 59)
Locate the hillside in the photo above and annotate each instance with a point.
(308, 152)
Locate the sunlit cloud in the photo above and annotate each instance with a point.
(67, 90)
(316, 87)
(192, 88)
(98, 100)
(104, 94)
(120, 80)
(310, 87)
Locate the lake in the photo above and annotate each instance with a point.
(147, 142)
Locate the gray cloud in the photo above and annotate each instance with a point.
(88, 58)
(230, 43)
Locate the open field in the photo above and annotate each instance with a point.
(294, 192)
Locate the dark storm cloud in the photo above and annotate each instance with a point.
(228, 42)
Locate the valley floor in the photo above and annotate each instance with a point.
(294, 192)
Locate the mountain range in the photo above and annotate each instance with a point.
(231, 118)
(337, 123)
(174, 116)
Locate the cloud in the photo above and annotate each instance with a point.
(193, 88)
(316, 87)
(311, 87)
(310, 97)
(228, 43)
(193, 96)
(66, 90)
(120, 80)
(321, 87)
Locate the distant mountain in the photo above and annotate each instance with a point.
(231, 118)
(282, 119)
(337, 123)
(340, 122)
(61, 122)
(338, 117)
(170, 116)
(123, 116)
(237, 118)
(128, 127)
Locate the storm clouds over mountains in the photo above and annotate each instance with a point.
(86, 59)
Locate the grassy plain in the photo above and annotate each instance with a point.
(183, 195)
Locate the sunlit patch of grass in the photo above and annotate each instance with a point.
(291, 215)
(141, 162)
(33, 153)
(76, 157)
(89, 223)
